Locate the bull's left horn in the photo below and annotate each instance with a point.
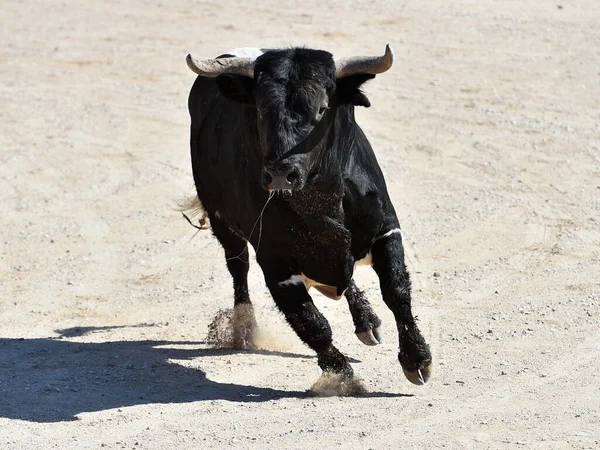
(345, 67)
(214, 67)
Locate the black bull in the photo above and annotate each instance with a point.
(280, 162)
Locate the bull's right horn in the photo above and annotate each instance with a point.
(214, 67)
(345, 67)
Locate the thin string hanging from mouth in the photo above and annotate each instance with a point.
(258, 220)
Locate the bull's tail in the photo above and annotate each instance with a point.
(191, 209)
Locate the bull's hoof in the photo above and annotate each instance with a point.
(414, 356)
(243, 338)
(334, 384)
(244, 343)
(244, 327)
(368, 328)
(370, 337)
(419, 376)
(333, 361)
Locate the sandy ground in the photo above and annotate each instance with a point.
(488, 129)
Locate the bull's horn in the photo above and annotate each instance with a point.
(214, 67)
(345, 67)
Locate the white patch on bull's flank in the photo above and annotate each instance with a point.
(328, 291)
(388, 234)
(331, 291)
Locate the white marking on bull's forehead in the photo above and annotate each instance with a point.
(248, 52)
(388, 234)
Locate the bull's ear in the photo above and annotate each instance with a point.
(236, 87)
(348, 89)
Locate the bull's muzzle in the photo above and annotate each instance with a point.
(282, 179)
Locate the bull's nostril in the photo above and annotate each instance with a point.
(268, 178)
(292, 176)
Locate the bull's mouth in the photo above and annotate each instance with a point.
(285, 192)
(281, 192)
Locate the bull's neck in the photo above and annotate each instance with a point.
(344, 142)
(323, 194)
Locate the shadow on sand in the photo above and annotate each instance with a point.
(53, 379)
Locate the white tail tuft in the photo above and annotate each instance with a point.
(194, 208)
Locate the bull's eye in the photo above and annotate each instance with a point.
(318, 114)
(322, 110)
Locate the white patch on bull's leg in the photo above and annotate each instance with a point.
(388, 234)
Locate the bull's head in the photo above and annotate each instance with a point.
(296, 93)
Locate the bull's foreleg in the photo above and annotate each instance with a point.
(367, 324)
(244, 322)
(388, 262)
(236, 255)
(310, 325)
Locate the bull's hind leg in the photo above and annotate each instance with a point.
(388, 262)
(310, 325)
(367, 324)
(236, 254)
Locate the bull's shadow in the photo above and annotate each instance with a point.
(53, 380)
